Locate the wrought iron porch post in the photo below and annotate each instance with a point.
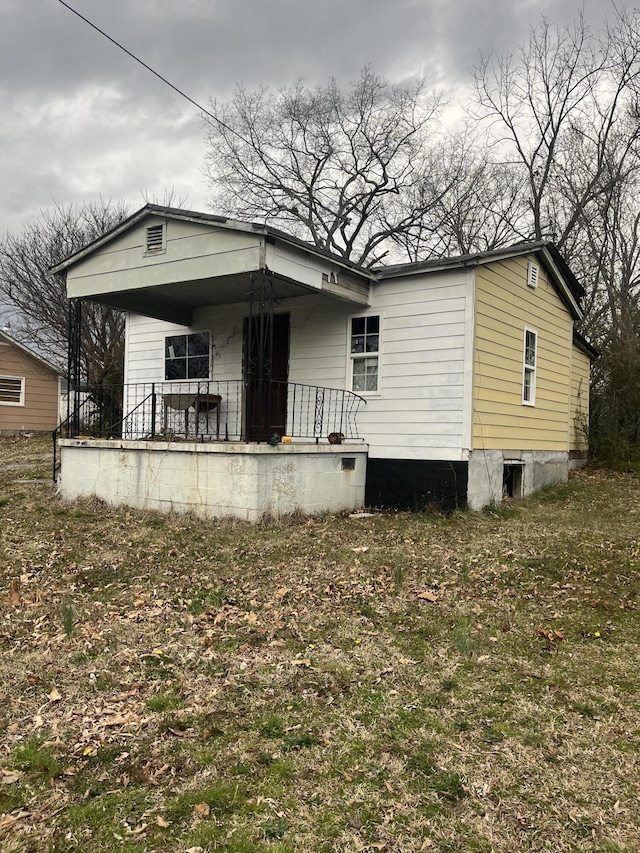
(259, 357)
(318, 417)
(74, 365)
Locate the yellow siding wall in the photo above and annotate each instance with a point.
(579, 415)
(504, 306)
(40, 410)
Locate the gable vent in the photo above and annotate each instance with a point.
(155, 238)
(11, 391)
(533, 272)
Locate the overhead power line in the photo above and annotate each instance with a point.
(263, 154)
(149, 68)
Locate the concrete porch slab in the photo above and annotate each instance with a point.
(216, 479)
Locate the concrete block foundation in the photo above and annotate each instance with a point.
(245, 481)
(492, 472)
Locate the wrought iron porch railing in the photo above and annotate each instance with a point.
(199, 410)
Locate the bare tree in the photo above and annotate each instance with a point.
(39, 297)
(531, 99)
(564, 111)
(342, 170)
(473, 203)
(554, 109)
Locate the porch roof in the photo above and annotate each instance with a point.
(206, 261)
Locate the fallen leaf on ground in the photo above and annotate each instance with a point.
(8, 777)
(427, 595)
(13, 596)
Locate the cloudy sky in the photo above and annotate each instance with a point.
(80, 119)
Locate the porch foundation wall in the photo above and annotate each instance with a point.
(539, 468)
(244, 481)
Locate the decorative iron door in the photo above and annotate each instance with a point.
(266, 369)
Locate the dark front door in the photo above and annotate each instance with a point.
(266, 367)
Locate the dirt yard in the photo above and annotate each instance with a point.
(397, 683)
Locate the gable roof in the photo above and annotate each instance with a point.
(7, 338)
(208, 219)
(569, 289)
(566, 284)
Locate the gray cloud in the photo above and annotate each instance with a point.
(81, 119)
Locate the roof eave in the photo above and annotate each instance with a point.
(457, 261)
(221, 221)
(42, 361)
(553, 260)
(582, 343)
(567, 285)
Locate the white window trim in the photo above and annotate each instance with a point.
(19, 379)
(186, 334)
(532, 369)
(351, 356)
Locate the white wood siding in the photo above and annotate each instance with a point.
(425, 361)
(426, 346)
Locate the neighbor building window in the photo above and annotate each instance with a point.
(11, 391)
(364, 353)
(187, 356)
(529, 367)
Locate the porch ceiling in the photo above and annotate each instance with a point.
(176, 301)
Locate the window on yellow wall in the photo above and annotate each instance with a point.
(529, 367)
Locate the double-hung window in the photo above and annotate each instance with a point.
(529, 367)
(364, 352)
(187, 356)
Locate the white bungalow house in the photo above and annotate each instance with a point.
(264, 375)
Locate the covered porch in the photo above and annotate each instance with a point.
(211, 391)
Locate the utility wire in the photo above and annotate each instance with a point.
(149, 68)
(265, 156)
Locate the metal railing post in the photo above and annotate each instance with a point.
(317, 424)
(153, 410)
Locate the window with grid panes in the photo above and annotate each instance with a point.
(364, 353)
(529, 367)
(187, 356)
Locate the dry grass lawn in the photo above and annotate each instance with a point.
(397, 683)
